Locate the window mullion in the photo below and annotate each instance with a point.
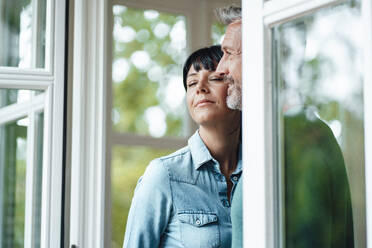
(255, 213)
(46, 189)
(2, 167)
(32, 134)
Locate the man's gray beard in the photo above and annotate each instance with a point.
(234, 97)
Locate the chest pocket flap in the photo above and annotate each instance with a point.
(197, 219)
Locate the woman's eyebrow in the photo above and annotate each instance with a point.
(192, 74)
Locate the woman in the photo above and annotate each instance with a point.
(183, 199)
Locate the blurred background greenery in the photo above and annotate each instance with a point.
(129, 163)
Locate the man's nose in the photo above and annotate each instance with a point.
(221, 69)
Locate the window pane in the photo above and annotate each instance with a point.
(22, 43)
(128, 164)
(16, 170)
(319, 91)
(13, 140)
(12, 96)
(149, 52)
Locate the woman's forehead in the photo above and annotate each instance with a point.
(194, 72)
(199, 65)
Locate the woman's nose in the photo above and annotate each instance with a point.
(202, 86)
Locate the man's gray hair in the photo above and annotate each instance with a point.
(229, 14)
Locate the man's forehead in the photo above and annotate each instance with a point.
(232, 37)
(235, 26)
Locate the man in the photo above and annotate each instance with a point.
(230, 67)
(318, 209)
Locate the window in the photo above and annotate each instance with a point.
(319, 87)
(23, 25)
(21, 168)
(306, 120)
(31, 122)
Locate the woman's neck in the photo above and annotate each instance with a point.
(223, 143)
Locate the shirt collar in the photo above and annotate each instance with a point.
(199, 152)
(201, 155)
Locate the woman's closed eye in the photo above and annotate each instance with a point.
(191, 83)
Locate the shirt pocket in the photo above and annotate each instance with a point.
(199, 229)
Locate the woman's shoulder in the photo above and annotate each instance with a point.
(163, 164)
(174, 166)
(175, 156)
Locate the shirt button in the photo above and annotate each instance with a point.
(198, 222)
(235, 178)
(225, 203)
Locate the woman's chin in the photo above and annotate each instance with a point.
(209, 119)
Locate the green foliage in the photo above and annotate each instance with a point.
(20, 202)
(13, 184)
(137, 92)
(218, 30)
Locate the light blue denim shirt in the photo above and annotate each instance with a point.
(181, 201)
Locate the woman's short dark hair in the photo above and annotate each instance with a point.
(205, 58)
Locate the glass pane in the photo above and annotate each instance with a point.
(218, 32)
(317, 68)
(128, 164)
(22, 43)
(15, 172)
(149, 52)
(12, 96)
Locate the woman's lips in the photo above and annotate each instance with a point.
(203, 102)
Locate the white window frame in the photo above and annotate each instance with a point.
(14, 112)
(51, 80)
(260, 215)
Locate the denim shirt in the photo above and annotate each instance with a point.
(181, 201)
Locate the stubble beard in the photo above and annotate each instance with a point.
(234, 94)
